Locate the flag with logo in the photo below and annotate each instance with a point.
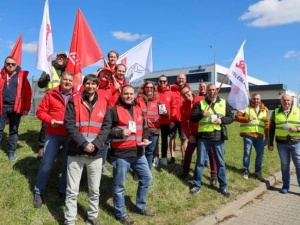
(238, 97)
(138, 60)
(84, 50)
(16, 52)
(45, 44)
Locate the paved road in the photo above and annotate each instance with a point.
(271, 207)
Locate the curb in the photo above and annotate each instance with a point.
(232, 208)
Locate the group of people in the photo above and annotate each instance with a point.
(81, 124)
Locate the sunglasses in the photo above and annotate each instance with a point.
(10, 64)
(148, 87)
(162, 81)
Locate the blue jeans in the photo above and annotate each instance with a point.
(259, 146)
(121, 167)
(285, 152)
(202, 154)
(51, 150)
(149, 150)
(14, 121)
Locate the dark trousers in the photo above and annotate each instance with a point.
(42, 135)
(164, 131)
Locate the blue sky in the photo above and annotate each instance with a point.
(182, 32)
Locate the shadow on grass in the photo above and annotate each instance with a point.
(31, 139)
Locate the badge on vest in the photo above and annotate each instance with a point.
(132, 126)
(213, 117)
(161, 108)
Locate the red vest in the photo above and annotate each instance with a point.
(124, 117)
(89, 124)
(150, 111)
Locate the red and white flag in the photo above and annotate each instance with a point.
(84, 50)
(138, 60)
(238, 97)
(16, 52)
(45, 44)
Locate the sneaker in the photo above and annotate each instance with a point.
(155, 162)
(126, 220)
(194, 190)
(12, 156)
(246, 175)
(164, 161)
(105, 171)
(145, 212)
(213, 182)
(93, 222)
(259, 176)
(284, 189)
(172, 161)
(37, 201)
(225, 193)
(40, 153)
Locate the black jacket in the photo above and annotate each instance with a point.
(78, 142)
(115, 134)
(197, 115)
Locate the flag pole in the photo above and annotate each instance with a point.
(217, 91)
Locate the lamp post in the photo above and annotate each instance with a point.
(215, 79)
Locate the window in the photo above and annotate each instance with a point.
(198, 77)
(220, 78)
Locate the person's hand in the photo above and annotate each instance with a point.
(192, 139)
(25, 113)
(126, 133)
(206, 113)
(55, 123)
(218, 121)
(89, 148)
(146, 141)
(270, 148)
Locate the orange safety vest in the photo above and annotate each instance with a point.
(89, 124)
(124, 117)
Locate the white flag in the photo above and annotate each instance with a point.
(238, 97)
(138, 60)
(45, 44)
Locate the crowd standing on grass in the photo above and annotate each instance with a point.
(80, 125)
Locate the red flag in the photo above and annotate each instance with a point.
(84, 48)
(16, 52)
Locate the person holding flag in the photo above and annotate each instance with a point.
(15, 101)
(254, 126)
(211, 113)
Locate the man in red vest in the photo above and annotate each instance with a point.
(129, 135)
(88, 122)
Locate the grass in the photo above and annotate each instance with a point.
(168, 196)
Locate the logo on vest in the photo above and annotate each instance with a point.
(101, 113)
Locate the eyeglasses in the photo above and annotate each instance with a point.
(185, 93)
(10, 64)
(147, 87)
(162, 81)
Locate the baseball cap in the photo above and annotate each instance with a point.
(62, 53)
(107, 69)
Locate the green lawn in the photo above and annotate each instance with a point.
(169, 196)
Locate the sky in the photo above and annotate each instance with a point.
(182, 32)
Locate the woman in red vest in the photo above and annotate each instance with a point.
(148, 100)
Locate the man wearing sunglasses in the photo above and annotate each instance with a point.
(167, 99)
(15, 101)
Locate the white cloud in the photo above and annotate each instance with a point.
(127, 36)
(26, 47)
(273, 12)
(292, 54)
